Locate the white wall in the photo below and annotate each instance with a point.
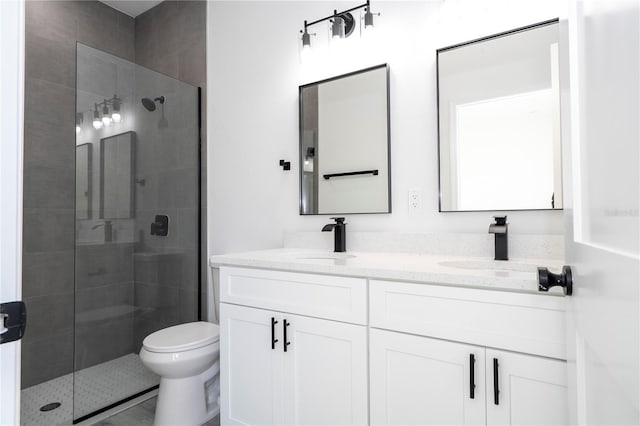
(254, 72)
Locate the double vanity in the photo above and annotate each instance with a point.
(386, 336)
(314, 337)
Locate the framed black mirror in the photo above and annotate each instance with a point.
(117, 159)
(499, 140)
(345, 144)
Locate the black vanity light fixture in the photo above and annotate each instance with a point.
(103, 116)
(342, 24)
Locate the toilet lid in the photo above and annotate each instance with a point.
(183, 337)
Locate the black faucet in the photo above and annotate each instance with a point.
(108, 230)
(340, 234)
(500, 231)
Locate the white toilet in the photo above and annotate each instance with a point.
(185, 357)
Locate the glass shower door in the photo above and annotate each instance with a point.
(137, 222)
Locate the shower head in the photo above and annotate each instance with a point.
(150, 105)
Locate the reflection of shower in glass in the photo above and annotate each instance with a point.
(150, 105)
(163, 123)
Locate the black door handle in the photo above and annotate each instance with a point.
(273, 333)
(13, 321)
(546, 280)
(472, 373)
(285, 324)
(496, 389)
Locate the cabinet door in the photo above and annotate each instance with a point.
(325, 369)
(421, 381)
(525, 389)
(251, 371)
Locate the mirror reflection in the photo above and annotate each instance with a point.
(84, 174)
(116, 177)
(499, 122)
(344, 144)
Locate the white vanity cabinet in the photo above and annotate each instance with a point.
(532, 390)
(251, 373)
(370, 351)
(321, 378)
(421, 381)
(416, 379)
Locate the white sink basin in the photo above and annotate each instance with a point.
(490, 265)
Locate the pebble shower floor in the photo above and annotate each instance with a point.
(95, 387)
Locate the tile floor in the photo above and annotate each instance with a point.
(141, 415)
(94, 387)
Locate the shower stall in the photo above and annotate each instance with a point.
(137, 238)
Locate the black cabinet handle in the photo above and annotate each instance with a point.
(472, 373)
(286, 342)
(496, 390)
(273, 333)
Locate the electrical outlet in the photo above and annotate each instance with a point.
(415, 200)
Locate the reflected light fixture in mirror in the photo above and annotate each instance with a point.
(106, 118)
(97, 123)
(102, 115)
(79, 120)
(115, 115)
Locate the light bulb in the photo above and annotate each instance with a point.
(97, 124)
(306, 40)
(78, 129)
(115, 116)
(337, 27)
(106, 119)
(368, 20)
(306, 54)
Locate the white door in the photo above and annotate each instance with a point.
(325, 369)
(250, 367)
(525, 389)
(11, 125)
(601, 183)
(422, 381)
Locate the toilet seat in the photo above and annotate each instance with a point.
(182, 337)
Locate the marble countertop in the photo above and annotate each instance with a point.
(477, 272)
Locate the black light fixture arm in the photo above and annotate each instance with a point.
(115, 99)
(335, 14)
(110, 101)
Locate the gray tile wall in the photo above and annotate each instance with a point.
(52, 29)
(166, 274)
(171, 38)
